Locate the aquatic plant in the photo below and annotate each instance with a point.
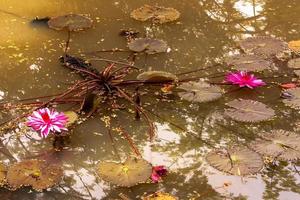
(244, 79)
(158, 172)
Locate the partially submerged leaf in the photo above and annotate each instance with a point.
(200, 92)
(132, 172)
(294, 46)
(236, 160)
(148, 45)
(294, 63)
(248, 111)
(70, 22)
(36, 173)
(2, 174)
(157, 76)
(278, 143)
(294, 100)
(265, 46)
(155, 13)
(72, 117)
(159, 196)
(245, 62)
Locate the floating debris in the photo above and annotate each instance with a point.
(294, 100)
(155, 13)
(278, 143)
(40, 21)
(294, 63)
(160, 196)
(70, 22)
(248, 111)
(148, 45)
(200, 92)
(132, 172)
(36, 173)
(236, 160)
(2, 174)
(156, 76)
(265, 46)
(244, 62)
(294, 46)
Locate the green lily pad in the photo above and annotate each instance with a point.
(36, 173)
(148, 45)
(132, 172)
(72, 117)
(2, 174)
(278, 143)
(156, 76)
(294, 100)
(199, 92)
(244, 62)
(236, 160)
(248, 111)
(155, 13)
(160, 196)
(70, 22)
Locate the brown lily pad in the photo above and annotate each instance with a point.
(294, 63)
(160, 196)
(156, 76)
(2, 174)
(294, 98)
(294, 46)
(248, 111)
(265, 46)
(155, 13)
(278, 143)
(36, 173)
(244, 62)
(70, 22)
(132, 172)
(236, 160)
(200, 92)
(148, 45)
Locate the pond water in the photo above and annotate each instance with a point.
(206, 33)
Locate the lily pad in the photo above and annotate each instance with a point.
(294, 100)
(157, 76)
(199, 92)
(72, 117)
(70, 22)
(148, 45)
(278, 143)
(132, 172)
(248, 111)
(2, 174)
(294, 63)
(265, 46)
(294, 46)
(160, 196)
(236, 160)
(155, 13)
(36, 173)
(245, 62)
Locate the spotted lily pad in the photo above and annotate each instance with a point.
(236, 160)
(156, 76)
(160, 196)
(265, 46)
(36, 173)
(70, 22)
(72, 117)
(244, 62)
(155, 13)
(2, 174)
(294, 98)
(294, 46)
(278, 143)
(132, 172)
(248, 111)
(199, 92)
(294, 63)
(148, 45)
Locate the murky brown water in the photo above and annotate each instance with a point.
(206, 32)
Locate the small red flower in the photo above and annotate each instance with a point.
(158, 172)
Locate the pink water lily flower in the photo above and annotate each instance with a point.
(47, 120)
(244, 79)
(158, 172)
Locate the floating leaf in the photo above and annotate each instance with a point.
(157, 14)
(278, 143)
(294, 100)
(160, 196)
(132, 172)
(265, 46)
(248, 62)
(248, 111)
(72, 117)
(294, 46)
(148, 45)
(38, 174)
(2, 174)
(236, 160)
(294, 63)
(199, 92)
(157, 76)
(70, 22)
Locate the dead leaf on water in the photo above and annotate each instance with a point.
(70, 22)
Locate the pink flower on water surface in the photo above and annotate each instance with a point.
(158, 172)
(45, 120)
(243, 79)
